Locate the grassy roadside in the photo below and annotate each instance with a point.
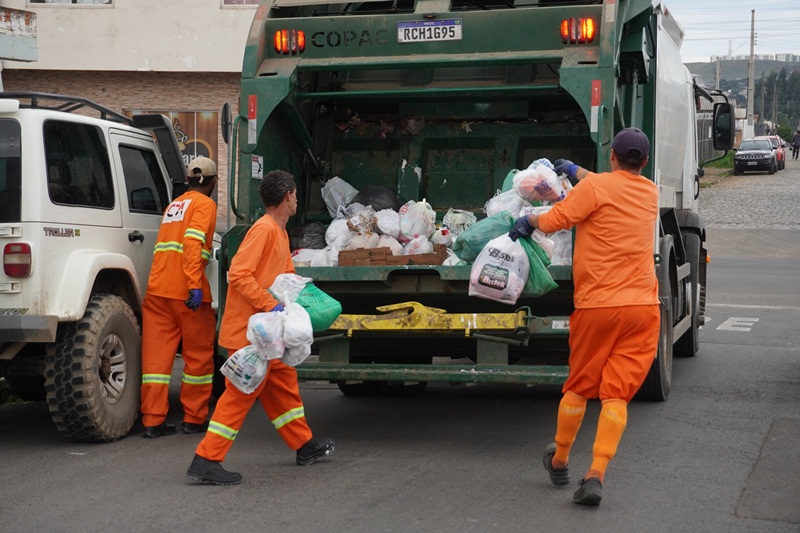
(717, 171)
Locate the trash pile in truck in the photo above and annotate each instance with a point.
(370, 227)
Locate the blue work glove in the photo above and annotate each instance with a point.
(522, 228)
(195, 299)
(565, 166)
(277, 308)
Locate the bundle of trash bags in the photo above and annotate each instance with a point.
(374, 217)
(286, 335)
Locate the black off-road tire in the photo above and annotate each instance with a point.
(736, 171)
(773, 168)
(93, 372)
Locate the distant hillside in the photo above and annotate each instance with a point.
(737, 69)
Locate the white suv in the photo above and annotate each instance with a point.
(81, 200)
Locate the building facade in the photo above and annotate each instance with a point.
(182, 59)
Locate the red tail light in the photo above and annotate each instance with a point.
(289, 42)
(577, 31)
(17, 259)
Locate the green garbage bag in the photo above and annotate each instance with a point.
(539, 279)
(322, 308)
(471, 241)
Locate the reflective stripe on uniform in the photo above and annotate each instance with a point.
(155, 379)
(288, 416)
(169, 246)
(198, 380)
(206, 254)
(195, 234)
(222, 430)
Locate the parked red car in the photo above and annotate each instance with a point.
(777, 146)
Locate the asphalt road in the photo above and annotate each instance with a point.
(719, 455)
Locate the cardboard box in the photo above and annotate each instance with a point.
(384, 257)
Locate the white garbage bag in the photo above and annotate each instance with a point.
(246, 368)
(265, 332)
(500, 271)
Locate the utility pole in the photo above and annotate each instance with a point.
(716, 84)
(751, 67)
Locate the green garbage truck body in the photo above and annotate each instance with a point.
(439, 100)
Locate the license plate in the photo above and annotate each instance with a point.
(752, 163)
(426, 31)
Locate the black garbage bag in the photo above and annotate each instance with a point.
(309, 236)
(378, 198)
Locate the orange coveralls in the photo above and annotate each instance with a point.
(263, 255)
(614, 328)
(181, 255)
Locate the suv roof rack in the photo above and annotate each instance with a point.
(65, 103)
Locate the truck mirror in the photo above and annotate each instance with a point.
(225, 122)
(724, 126)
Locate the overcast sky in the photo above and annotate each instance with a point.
(715, 27)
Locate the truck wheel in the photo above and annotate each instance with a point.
(658, 382)
(93, 372)
(689, 343)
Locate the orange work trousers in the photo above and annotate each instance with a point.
(279, 394)
(611, 350)
(167, 322)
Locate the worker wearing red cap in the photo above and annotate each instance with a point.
(615, 326)
(170, 318)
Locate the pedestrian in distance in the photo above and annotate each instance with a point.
(795, 144)
(169, 318)
(262, 256)
(615, 325)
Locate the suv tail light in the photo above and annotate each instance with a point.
(17, 259)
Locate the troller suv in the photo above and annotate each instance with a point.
(755, 154)
(81, 201)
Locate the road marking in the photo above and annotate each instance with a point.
(778, 307)
(737, 323)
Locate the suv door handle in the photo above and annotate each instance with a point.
(135, 236)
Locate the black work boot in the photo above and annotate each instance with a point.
(161, 430)
(589, 493)
(314, 449)
(207, 471)
(558, 476)
(191, 427)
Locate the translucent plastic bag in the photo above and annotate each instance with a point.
(246, 369)
(505, 201)
(388, 222)
(539, 184)
(418, 245)
(297, 326)
(338, 234)
(458, 220)
(416, 219)
(287, 287)
(337, 192)
(500, 272)
(265, 332)
(296, 354)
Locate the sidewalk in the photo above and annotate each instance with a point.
(714, 175)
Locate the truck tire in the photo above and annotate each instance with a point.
(93, 372)
(658, 382)
(689, 342)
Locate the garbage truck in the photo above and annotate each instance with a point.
(438, 100)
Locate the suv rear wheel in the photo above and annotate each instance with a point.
(93, 372)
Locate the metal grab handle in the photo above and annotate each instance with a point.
(135, 236)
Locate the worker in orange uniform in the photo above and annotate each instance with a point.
(615, 325)
(169, 317)
(262, 256)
